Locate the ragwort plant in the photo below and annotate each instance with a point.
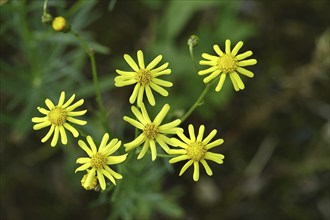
(155, 137)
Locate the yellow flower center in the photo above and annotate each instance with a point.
(150, 131)
(57, 116)
(143, 76)
(196, 151)
(98, 161)
(227, 63)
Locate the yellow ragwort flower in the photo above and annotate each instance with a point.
(60, 24)
(227, 63)
(152, 131)
(195, 150)
(58, 118)
(144, 78)
(99, 160)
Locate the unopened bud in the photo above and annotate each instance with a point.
(47, 18)
(60, 24)
(193, 40)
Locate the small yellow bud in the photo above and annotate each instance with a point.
(60, 24)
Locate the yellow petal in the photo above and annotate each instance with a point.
(64, 139)
(233, 81)
(153, 150)
(218, 158)
(83, 167)
(196, 171)
(133, 97)
(185, 167)
(41, 125)
(221, 82)
(154, 62)
(131, 62)
(163, 72)
(69, 101)
(217, 49)
(227, 46)
(158, 89)
(200, 133)
(75, 105)
(237, 47)
(206, 167)
(208, 70)
(249, 62)
(104, 141)
(209, 137)
(39, 119)
(55, 137)
(161, 115)
(191, 132)
(178, 158)
(212, 76)
(214, 144)
(84, 146)
(61, 99)
(134, 122)
(140, 59)
(74, 132)
(113, 173)
(161, 82)
(91, 144)
(49, 133)
(140, 96)
(144, 150)
(76, 121)
(243, 55)
(77, 113)
(116, 159)
(49, 104)
(245, 72)
(135, 143)
(150, 96)
(82, 160)
(238, 80)
(108, 175)
(101, 179)
(90, 177)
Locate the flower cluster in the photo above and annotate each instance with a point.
(150, 134)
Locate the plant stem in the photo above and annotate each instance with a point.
(198, 102)
(99, 99)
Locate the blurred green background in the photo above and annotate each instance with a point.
(276, 131)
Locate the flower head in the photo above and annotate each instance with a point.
(152, 131)
(98, 161)
(144, 78)
(227, 63)
(58, 118)
(196, 150)
(60, 24)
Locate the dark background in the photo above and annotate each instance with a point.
(276, 131)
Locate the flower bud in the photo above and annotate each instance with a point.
(60, 24)
(47, 18)
(193, 40)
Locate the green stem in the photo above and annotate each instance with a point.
(99, 100)
(198, 102)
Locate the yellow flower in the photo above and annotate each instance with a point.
(60, 24)
(195, 150)
(99, 160)
(144, 78)
(227, 63)
(59, 117)
(152, 131)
